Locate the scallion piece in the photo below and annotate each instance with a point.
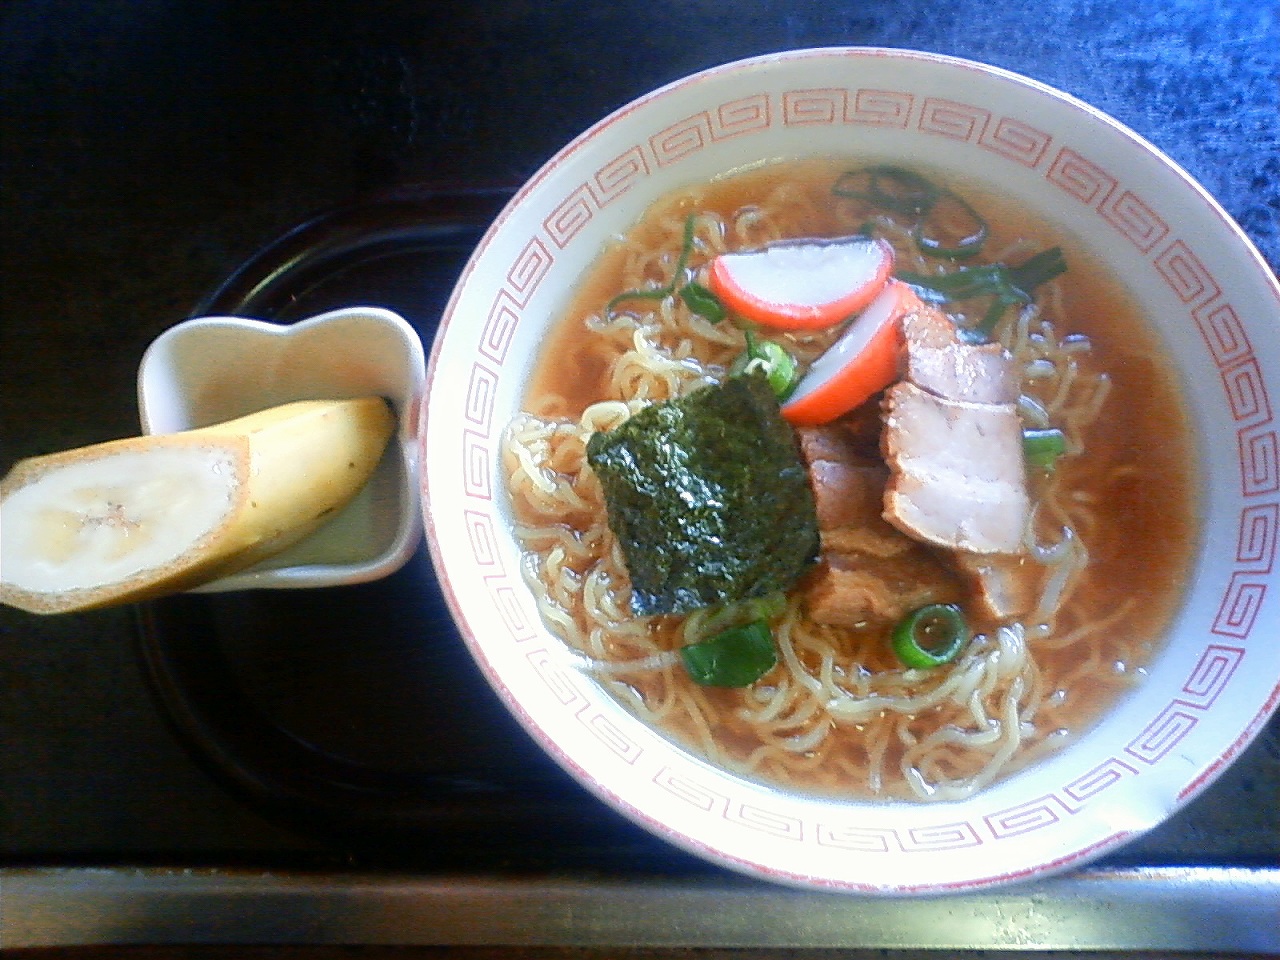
(737, 657)
(930, 636)
(1042, 447)
(703, 302)
(1041, 268)
(951, 229)
(893, 188)
(962, 284)
(1005, 286)
(772, 358)
(660, 293)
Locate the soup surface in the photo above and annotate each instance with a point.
(1106, 556)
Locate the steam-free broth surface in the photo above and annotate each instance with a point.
(1128, 497)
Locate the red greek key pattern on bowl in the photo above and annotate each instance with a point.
(1101, 777)
(695, 794)
(1256, 546)
(479, 401)
(611, 735)
(1163, 733)
(1026, 817)
(607, 184)
(483, 539)
(499, 327)
(1223, 333)
(573, 213)
(1211, 674)
(528, 270)
(1259, 462)
(619, 175)
(959, 121)
(1085, 181)
(1247, 392)
(1136, 221)
(1017, 141)
(731, 119)
(748, 115)
(475, 466)
(557, 680)
(1186, 275)
(945, 836)
(864, 839)
(766, 821)
(507, 602)
(681, 139)
(1240, 606)
(884, 108)
(826, 106)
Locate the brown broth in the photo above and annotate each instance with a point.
(1142, 547)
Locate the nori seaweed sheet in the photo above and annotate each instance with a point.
(708, 497)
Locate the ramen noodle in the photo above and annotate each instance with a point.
(1108, 548)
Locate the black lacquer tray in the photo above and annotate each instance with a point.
(358, 783)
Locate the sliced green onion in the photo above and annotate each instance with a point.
(962, 284)
(951, 229)
(712, 620)
(1043, 447)
(894, 188)
(1005, 286)
(778, 365)
(993, 279)
(737, 657)
(660, 293)
(703, 302)
(1041, 268)
(930, 636)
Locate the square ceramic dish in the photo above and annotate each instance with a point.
(212, 369)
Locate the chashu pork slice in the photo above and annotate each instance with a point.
(937, 361)
(957, 477)
(1007, 585)
(868, 570)
(847, 477)
(852, 589)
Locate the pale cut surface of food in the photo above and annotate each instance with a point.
(829, 271)
(957, 473)
(939, 362)
(145, 516)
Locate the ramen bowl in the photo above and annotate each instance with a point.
(211, 369)
(1209, 299)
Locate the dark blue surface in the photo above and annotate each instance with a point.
(149, 148)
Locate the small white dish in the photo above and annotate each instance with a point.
(211, 369)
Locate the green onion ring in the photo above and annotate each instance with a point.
(890, 187)
(1043, 447)
(930, 636)
(975, 236)
(773, 360)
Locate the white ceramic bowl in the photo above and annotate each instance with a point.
(212, 369)
(1189, 267)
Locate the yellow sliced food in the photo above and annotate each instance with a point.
(145, 516)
